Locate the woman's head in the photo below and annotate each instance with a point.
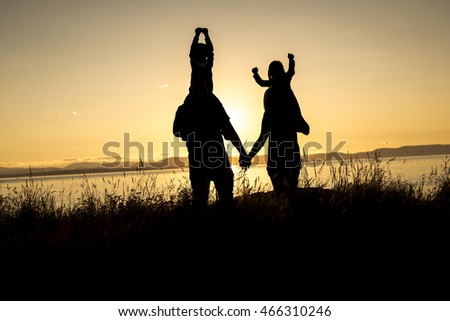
(276, 69)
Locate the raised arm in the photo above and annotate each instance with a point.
(209, 46)
(208, 41)
(198, 31)
(259, 80)
(291, 70)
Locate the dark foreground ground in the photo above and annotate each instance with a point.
(309, 248)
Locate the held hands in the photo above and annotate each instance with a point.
(255, 70)
(245, 161)
(290, 56)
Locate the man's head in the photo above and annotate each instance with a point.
(199, 87)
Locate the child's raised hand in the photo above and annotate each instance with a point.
(255, 70)
(290, 56)
(198, 31)
(205, 31)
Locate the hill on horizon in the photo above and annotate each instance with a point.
(404, 151)
(179, 162)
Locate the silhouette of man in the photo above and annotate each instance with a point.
(203, 123)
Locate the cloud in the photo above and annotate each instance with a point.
(73, 113)
(163, 86)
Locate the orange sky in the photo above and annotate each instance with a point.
(75, 75)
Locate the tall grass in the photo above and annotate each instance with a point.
(116, 217)
(362, 216)
(355, 179)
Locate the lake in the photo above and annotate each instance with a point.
(68, 187)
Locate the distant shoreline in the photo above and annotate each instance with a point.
(174, 163)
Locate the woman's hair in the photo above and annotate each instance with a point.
(276, 69)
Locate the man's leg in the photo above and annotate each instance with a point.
(200, 187)
(223, 182)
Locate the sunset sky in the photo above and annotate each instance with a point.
(75, 75)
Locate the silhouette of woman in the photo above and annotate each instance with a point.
(281, 121)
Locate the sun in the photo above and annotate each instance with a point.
(236, 117)
(238, 114)
(243, 116)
